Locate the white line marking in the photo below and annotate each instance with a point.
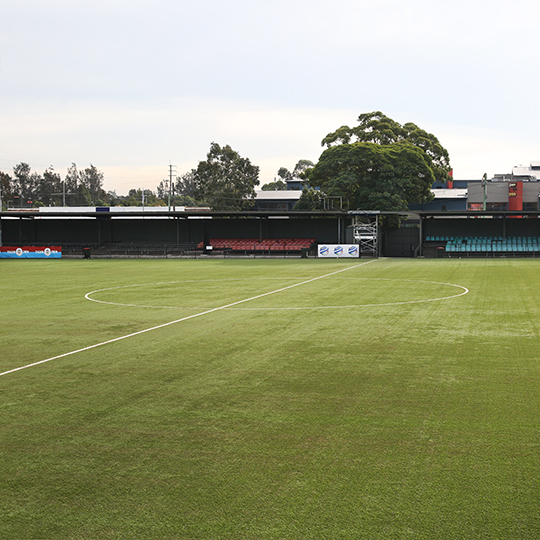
(465, 291)
(88, 295)
(183, 319)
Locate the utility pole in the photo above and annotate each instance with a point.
(172, 173)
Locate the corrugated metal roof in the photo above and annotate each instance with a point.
(531, 170)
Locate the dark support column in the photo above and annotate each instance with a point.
(377, 221)
(206, 236)
(421, 235)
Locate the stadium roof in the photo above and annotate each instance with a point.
(208, 214)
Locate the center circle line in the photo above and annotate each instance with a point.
(350, 306)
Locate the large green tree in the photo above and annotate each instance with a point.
(49, 190)
(24, 183)
(5, 189)
(373, 176)
(225, 180)
(310, 200)
(301, 167)
(284, 174)
(71, 180)
(380, 164)
(186, 185)
(92, 179)
(376, 127)
(182, 192)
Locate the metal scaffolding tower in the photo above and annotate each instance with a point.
(366, 234)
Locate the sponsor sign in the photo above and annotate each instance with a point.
(338, 250)
(31, 252)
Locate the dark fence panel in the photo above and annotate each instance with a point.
(480, 226)
(402, 241)
(104, 230)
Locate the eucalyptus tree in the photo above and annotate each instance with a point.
(225, 180)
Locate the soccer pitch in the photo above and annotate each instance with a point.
(270, 399)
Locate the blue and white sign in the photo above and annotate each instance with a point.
(333, 251)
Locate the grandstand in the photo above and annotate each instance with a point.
(161, 233)
(487, 245)
(177, 233)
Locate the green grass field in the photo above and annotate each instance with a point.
(373, 403)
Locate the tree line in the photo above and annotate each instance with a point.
(224, 181)
(377, 165)
(26, 188)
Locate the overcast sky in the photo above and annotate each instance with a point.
(134, 85)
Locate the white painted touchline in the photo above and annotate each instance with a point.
(183, 319)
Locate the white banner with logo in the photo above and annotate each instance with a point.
(339, 250)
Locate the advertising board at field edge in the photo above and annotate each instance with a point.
(328, 251)
(30, 252)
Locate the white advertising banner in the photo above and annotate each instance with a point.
(339, 250)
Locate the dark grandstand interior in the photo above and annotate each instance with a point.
(427, 234)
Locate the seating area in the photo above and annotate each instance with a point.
(488, 244)
(126, 249)
(254, 244)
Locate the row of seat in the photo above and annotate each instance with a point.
(485, 239)
(254, 244)
(495, 247)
